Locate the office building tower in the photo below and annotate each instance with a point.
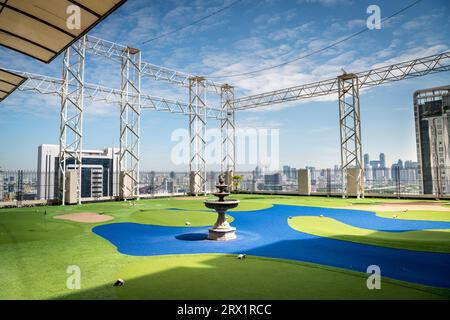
(366, 160)
(431, 113)
(99, 172)
(287, 171)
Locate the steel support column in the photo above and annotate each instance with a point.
(71, 116)
(350, 129)
(228, 132)
(197, 135)
(130, 110)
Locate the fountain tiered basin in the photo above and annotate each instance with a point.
(221, 231)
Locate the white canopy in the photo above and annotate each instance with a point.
(44, 28)
(9, 82)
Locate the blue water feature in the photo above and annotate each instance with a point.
(266, 233)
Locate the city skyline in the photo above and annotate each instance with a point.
(267, 34)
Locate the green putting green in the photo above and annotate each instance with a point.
(36, 250)
(417, 215)
(424, 240)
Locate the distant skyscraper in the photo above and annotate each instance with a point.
(258, 172)
(287, 171)
(382, 160)
(396, 170)
(294, 173)
(312, 172)
(432, 117)
(366, 160)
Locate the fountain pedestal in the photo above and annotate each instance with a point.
(221, 231)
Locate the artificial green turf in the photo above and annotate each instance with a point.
(422, 240)
(417, 215)
(36, 250)
(214, 276)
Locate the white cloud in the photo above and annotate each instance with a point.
(327, 3)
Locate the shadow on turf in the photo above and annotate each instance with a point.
(238, 279)
(259, 282)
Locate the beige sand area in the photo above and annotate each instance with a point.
(192, 198)
(406, 206)
(86, 217)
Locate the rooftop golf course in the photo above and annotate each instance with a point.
(295, 247)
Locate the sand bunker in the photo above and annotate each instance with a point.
(411, 206)
(192, 198)
(86, 217)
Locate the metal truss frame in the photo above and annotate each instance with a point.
(395, 72)
(350, 133)
(71, 115)
(197, 135)
(52, 86)
(130, 112)
(228, 130)
(115, 52)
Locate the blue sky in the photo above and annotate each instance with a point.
(252, 34)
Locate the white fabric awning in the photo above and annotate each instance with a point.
(44, 28)
(9, 82)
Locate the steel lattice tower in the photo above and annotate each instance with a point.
(130, 111)
(197, 135)
(350, 128)
(71, 115)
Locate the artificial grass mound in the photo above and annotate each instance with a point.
(423, 240)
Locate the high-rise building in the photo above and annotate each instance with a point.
(396, 170)
(99, 172)
(258, 172)
(382, 160)
(366, 160)
(376, 169)
(294, 173)
(287, 171)
(273, 182)
(312, 172)
(411, 171)
(432, 117)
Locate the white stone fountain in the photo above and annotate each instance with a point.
(222, 231)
